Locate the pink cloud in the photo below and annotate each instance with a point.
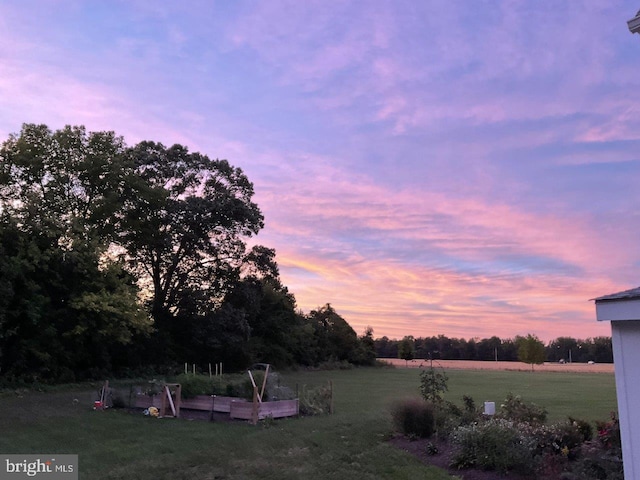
(317, 227)
(398, 300)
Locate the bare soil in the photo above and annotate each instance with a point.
(442, 459)
(515, 366)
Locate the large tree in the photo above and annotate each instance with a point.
(65, 305)
(178, 219)
(184, 227)
(63, 314)
(67, 185)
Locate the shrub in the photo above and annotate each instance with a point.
(276, 391)
(597, 462)
(471, 413)
(584, 427)
(497, 444)
(609, 433)
(193, 385)
(315, 401)
(414, 417)
(234, 385)
(514, 408)
(563, 439)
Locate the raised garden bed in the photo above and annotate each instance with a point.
(236, 407)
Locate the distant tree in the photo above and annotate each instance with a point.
(489, 349)
(530, 350)
(445, 347)
(600, 350)
(366, 354)
(563, 348)
(406, 349)
(336, 339)
(386, 348)
(509, 350)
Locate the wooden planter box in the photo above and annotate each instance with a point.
(235, 407)
(204, 402)
(277, 409)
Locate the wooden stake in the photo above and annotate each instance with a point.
(178, 399)
(264, 382)
(331, 393)
(256, 405)
(209, 370)
(168, 393)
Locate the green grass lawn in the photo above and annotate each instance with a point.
(349, 444)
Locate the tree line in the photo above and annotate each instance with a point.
(116, 258)
(566, 349)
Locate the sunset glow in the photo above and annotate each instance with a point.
(426, 168)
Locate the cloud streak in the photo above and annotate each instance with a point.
(433, 168)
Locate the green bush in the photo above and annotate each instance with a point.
(193, 385)
(584, 427)
(414, 417)
(564, 438)
(235, 385)
(596, 463)
(496, 444)
(514, 408)
(315, 401)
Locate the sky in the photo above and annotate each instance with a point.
(465, 168)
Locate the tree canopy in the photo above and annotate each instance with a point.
(114, 256)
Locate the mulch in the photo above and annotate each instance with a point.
(442, 459)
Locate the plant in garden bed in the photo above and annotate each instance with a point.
(233, 385)
(602, 457)
(433, 385)
(515, 440)
(414, 417)
(496, 444)
(564, 438)
(597, 462)
(315, 401)
(514, 408)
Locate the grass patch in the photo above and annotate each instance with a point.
(588, 396)
(350, 444)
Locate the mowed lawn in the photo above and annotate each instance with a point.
(352, 443)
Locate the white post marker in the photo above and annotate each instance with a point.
(489, 408)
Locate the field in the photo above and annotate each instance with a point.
(352, 443)
(506, 366)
